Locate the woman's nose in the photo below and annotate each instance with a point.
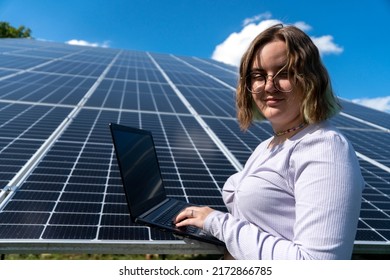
(269, 84)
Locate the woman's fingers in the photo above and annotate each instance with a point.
(185, 214)
(192, 216)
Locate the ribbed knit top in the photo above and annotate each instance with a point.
(297, 200)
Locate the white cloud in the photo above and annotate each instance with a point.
(105, 44)
(378, 103)
(326, 45)
(256, 18)
(231, 50)
(303, 26)
(234, 46)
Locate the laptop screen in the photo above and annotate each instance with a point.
(139, 168)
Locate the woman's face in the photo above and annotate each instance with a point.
(282, 109)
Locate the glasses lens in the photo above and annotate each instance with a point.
(282, 82)
(255, 82)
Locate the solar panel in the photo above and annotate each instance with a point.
(59, 181)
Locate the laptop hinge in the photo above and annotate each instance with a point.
(154, 208)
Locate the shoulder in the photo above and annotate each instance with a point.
(261, 148)
(325, 151)
(322, 134)
(323, 142)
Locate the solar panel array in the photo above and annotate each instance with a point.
(60, 188)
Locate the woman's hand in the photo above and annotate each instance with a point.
(194, 216)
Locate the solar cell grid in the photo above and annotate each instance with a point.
(375, 206)
(367, 114)
(210, 102)
(16, 231)
(21, 137)
(44, 119)
(74, 68)
(6, 49)
(6, 72)
(92, 57)
(224, 72)
(350, 124)
(38, 53)
(371, 144)
(70, 155)
(20, 62)
(207, 65)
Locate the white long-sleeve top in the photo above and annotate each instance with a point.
(297, 200)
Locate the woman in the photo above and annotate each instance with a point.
(299, 194)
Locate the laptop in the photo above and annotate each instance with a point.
(143, 185)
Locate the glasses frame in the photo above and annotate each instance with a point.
(248, 82)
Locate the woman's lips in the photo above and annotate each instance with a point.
(272, 101)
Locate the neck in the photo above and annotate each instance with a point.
(283, 132)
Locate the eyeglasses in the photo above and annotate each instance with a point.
(255, 82)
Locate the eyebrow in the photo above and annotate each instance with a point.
(259, 69)
(279, 67)
(256, 70)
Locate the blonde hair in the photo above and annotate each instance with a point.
(308, 75)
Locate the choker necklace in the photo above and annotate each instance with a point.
(280, 133)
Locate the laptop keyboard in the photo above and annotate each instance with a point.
(167, 217)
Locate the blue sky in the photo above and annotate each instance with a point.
(353, 36)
